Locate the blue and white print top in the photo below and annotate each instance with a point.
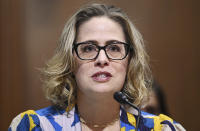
(53, 119)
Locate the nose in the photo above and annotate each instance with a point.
(102, 59)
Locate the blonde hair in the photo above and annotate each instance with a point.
(59, 82)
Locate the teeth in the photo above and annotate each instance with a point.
(102, 76)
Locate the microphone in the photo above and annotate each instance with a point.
(122, 99)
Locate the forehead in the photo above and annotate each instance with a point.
(100, 29)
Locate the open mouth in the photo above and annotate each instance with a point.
(101, 76)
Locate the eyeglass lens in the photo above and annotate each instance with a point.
(90, 51)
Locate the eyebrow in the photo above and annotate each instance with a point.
(96, 42)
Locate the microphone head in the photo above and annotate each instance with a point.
(120, 97)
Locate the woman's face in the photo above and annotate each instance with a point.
(100, 75)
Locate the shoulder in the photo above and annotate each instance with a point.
(51, 110)
(27, 120)
(160, 122)
(31, 120)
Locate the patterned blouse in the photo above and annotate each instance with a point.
(53, 119)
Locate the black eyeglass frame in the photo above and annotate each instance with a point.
(127, 50)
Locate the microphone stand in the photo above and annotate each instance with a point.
(122, 99)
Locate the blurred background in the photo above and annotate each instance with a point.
(29, 33)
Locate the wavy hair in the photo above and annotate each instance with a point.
(59, 82)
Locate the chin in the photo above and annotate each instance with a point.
(104, 89)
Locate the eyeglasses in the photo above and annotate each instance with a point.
(90, 51)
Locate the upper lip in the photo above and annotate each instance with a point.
(102, 72)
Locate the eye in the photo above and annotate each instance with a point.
(114, 48)
(86, 48)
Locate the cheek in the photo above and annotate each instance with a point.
(121, 74)
(82, 72)
(79, 67)
(124, 66)
(79, 75)
(121, 71)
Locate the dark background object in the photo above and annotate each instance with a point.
(156, 103)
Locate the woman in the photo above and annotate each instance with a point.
(100, 53)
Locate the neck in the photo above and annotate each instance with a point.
(99, 109)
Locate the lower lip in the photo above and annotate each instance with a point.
(101, 79)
